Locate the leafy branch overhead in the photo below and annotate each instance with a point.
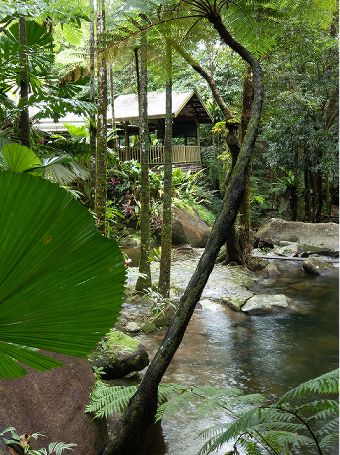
(61, 282)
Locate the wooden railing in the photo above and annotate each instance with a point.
(180, 154)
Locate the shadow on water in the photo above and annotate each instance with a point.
(267, 354)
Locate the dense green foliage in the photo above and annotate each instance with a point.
(21, 443)
(305, 417)
(190, 190)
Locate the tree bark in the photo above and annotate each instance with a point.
(92, 128)
(24, 123)
(166, 240)
(140, 412)
(112, 103)
(144, 278)
(101, 155)
(244, 245)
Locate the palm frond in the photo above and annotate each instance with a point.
(61, 282)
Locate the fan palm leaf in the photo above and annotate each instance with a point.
(61, 282)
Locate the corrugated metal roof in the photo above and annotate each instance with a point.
(126, 109)
(126, 106)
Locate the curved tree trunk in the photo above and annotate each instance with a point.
(139, 414)
(166, 240)
(144, 278)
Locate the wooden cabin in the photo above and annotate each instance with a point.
(188, 112)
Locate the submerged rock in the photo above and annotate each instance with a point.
(270, 271)
(265, 304)
(118, 355)
(189, 228)
(311, 237)
(316, 266)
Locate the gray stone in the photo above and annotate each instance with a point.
(266, 304)
(236, 301)
(270, 271)
(312, 237)
(118, 355)
(53, 403)
(189, 228)
(316, 266)
(133, 327)
(290, 249)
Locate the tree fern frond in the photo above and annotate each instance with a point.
(106, 400)
(250, 447)
(330, 427)
(325, 384)
(329, 441)
(283, 441)
(317, 408)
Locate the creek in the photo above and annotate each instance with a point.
(267, 354)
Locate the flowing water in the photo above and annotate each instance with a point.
(268, 354)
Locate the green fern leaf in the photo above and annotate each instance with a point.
(325, 384)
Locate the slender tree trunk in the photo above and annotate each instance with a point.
(144, 278)
(166, 240)
(24, 123)
(112, 100)
(140, 412)
(238, 244)
(244, 244)
(101, 156)
(92, 129)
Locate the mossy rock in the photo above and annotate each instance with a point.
(118, 355)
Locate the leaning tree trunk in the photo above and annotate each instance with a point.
(24, 123)
(166, 240)
(144, 277)
(101, 155)
(92, 128)
(138, 416)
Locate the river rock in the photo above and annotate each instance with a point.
(133, 327)
(316, 266)
(118, 355)
(311, 237)
(265, 304)
(189, 228)
(287, 249)
(53, 403)
(270, 271)
(236, 301)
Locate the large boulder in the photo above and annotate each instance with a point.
(235, 301)
(321, 238)
(118, 355)
(188, 228)
(316, 266)
(53, 403)
(266, 304)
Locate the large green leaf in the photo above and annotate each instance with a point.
(61, 282)
(18, 158)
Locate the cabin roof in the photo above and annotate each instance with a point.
(186, 105)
